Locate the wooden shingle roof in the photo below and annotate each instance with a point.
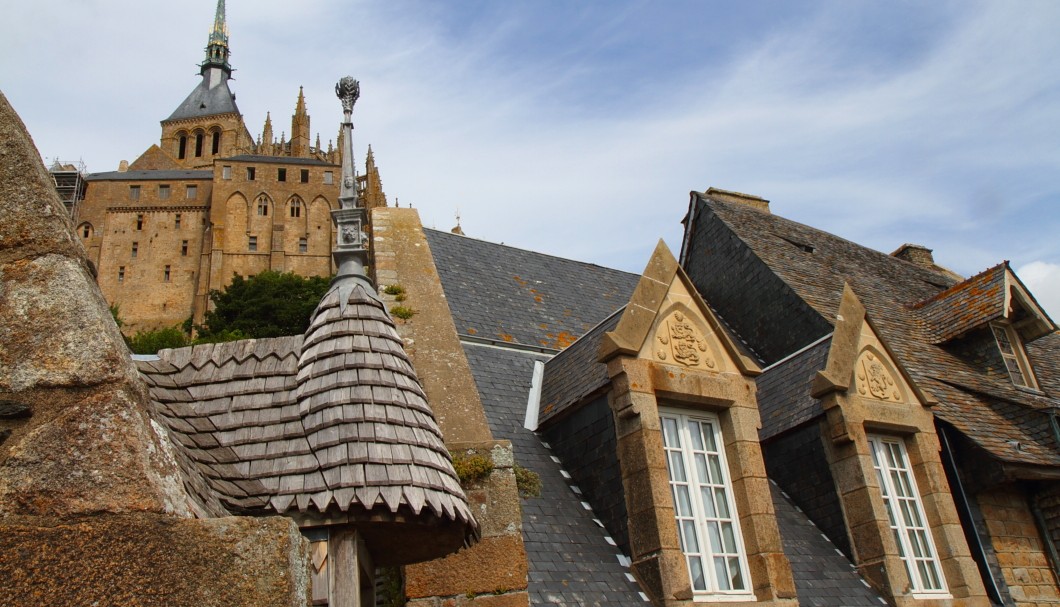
(335, 422)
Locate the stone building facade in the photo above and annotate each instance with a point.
(208, 201)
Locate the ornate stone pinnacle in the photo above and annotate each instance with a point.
(348, 91)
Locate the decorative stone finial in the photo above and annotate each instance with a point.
(348, 91)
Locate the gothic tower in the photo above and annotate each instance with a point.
(300, 128)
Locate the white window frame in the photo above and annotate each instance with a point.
(693, 524)
(911, 530)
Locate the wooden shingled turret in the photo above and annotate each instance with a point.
(366, 418)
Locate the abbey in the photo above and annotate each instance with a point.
(209, 200)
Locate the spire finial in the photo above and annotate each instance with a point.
(351, 253)
(217, 46)
(299, 107)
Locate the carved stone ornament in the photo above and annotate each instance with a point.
(348, 91)
(875, 380)
(681, 339)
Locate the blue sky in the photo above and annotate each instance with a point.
(578, 128)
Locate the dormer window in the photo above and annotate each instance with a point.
(1011, 347)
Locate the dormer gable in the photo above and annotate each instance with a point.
(666, 321)
(860, 363)
(994, 295)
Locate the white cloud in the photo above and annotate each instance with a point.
(1043, 280)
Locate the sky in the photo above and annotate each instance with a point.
(579, 128)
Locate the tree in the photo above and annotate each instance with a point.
(150, 342)
(269, 304)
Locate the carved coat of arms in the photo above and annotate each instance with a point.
(685, 344)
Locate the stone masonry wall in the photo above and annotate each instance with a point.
(1020, 551)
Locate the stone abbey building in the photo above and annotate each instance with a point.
(772, 416)
(209, 200)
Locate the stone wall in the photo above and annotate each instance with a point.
(1018, 544)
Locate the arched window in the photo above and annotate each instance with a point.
(216, 142)
(296, 206)
(85, 229)
(263, 205)
(182, 147)
(198, 145)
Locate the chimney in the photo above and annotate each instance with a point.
(759, 204)
(916, 254)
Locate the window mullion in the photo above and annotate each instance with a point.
(698, 508)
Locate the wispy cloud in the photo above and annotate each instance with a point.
(579, 129)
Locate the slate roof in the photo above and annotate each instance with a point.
(823, 575)
(171, 175)
(784, 400)
(570, 561)
(574, 374)
(206, 101)
(992, 412)
(280, 160)
(335, 421)
(506, 294)
(1044, 353)
(964, 306)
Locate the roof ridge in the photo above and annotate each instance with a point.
(956, 287)
(508, 246)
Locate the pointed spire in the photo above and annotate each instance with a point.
(299, 107)
(217, 47)
(318, 143)
(266, 136)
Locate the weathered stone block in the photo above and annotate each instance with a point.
(495, 563)
(153, 560)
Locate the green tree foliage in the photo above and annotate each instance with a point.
(150, 342)
(269, 304)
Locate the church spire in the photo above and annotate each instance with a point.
(300, 128)
(217, 47)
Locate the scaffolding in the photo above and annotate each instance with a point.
(69, 178)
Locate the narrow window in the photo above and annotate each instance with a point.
(263, 206)
(176, 221)
(252, 243)
(134, 192)
(165, 274)
(226, 172)
(707, 521)
(184, 248)
(1015, 357)
(182, 147)
(86, 230)
(906, 514)
(121, 273)
(303, 176)
(192, 192)
(139, 222)
(135, 248)
(296, 207)
(216, 142)
(303, 245)
(329, 177)
(163, 192)
(250, 173)
(198, 145)
(281, 174)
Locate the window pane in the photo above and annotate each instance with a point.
(722, 573)
(670, 438)
(697, 435)
(695, 571)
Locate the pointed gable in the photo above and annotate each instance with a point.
(860, 363)
(994, 294)
(667, 321)
(154, 159)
